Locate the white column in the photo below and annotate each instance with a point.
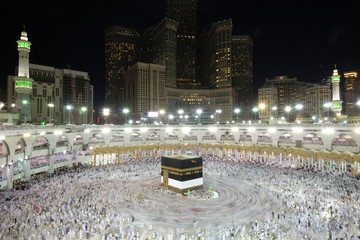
(26, 165)
(51, 159)
(9, 176)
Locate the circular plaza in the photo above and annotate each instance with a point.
(126, 201)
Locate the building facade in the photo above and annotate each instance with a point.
(145, 89)
(242, 69)
(281, 92)
(52, 90)
(352, 91)
(184, 13)
(120, 55)
(215, 55)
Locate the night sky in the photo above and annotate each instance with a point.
(293, 39)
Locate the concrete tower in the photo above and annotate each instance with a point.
(336, 103)
(22, 82)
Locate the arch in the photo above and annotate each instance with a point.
(190, 137)
(245, 137)
(171, 136)
(264, 137)
(153, 136)
(38, 162)
(135, 137)
(312, 138)
(227, 136)
(4, 149)
(40, 143)
(17, 167)
(96, 138)
(286, 139)
(62, 141)
(117, 137)
(78, 140)
(209, 136)
(20, 146)
(344, 140)
(2, 172)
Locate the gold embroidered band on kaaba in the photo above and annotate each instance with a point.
(182, 170)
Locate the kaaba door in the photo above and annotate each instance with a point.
(165, 178)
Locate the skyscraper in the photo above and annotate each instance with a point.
(242, 69)
(184, 13)
(164, 49)
(352, 90)
(120, 55)
(215, 55)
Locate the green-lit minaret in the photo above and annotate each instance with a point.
(336, 103)
(23, 82)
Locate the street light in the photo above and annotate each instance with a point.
(299, 107)
(13, 107)
(328, 106)
(125, 111)
(199, 112)
(237, 111)
(51, 106)
(161, 112)
(106, 113)
(217, 111)
(25, 102)
(180, 112)
(255, 110)
(84, 110)
(69, 107)
(287, 109)
(171, 117)
(274, 108)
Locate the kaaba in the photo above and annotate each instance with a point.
(181, 173)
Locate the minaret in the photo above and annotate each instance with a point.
(336, 103)
(23, 82)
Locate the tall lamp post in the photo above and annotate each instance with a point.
(287, 109)
(180, 112)
(217, 112)
(199, 112)
(84, 111)
(299, 107)
(328, 106)
(125, 111)
(255, 110)
(51, 106)
(69, 107)
(25, 102)
(274, 108)
(106, 113)
(237, 111)
(162, 112)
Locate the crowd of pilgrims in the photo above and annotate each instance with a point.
(314, 204)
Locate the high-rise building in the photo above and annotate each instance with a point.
(184, 13)
(145, 88)
(242, 69)
(352, 90)
(215, 55)
(120, 55)
(164, 49)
